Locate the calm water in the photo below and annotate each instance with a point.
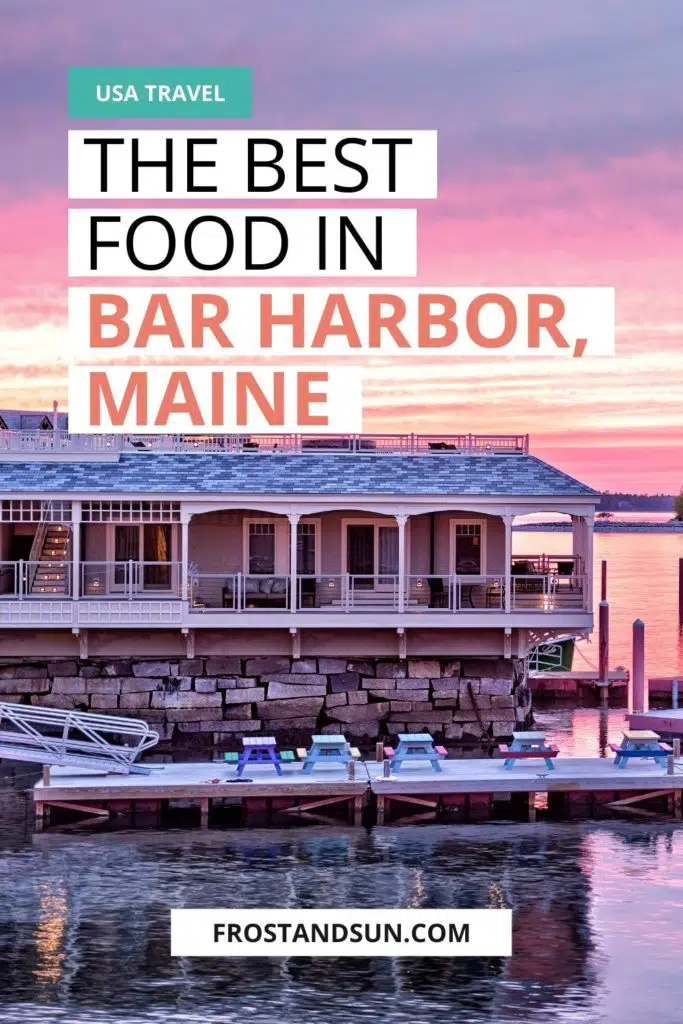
(598, 908)
(642, 583)
(598, 913)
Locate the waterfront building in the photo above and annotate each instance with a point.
(363, 577)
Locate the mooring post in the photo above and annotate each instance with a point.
(603, 580)
(680, 594)
(351, 770)
(639, 696)
(676, 748)
(204, 812)
(379, 751)
(674, 694)
(603, 641)
(386, 768)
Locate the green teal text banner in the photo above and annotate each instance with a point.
(159, 92)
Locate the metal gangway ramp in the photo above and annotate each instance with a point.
(77, 739)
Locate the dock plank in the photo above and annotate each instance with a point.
(485, 775)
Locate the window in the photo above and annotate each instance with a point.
(143, 555)
(468, 548)
(305, 549)
(261, 549)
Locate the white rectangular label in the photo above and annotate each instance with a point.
(211, 400)
(116, 323)
(252, 164)
(226, 242)
(368, 933)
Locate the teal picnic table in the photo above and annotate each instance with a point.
(327, 750)
(416, 746)
(640, 743)
(528, 745)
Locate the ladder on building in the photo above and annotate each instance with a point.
(77, 739)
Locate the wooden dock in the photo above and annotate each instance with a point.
(567, 684)
(666, 721)
(322, 795)
(466, 789)
(470, 789)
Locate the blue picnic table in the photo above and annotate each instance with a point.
(640, 743)
(258, 750)
(415, 746)
(527, 745)
(327, 750)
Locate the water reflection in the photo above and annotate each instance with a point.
(598, 918)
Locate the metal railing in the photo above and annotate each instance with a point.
(128, 579)
(24, 579)
(59, 441)
(328, 592)
(49, 736)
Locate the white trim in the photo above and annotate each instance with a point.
(483, 525)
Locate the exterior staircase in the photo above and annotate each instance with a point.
(49, 561)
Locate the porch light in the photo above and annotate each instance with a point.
(330, 583)
(418, 584)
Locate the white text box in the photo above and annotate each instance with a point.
(353, 322)
(328, 932)
(360, 164)
(242, 243)
(206, 399)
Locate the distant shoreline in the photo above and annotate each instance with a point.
(604, 526)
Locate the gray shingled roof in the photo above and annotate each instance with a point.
(20, 419)
(434, 474)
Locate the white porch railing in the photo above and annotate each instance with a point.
(112, 584)
(128, 579)
(59, 441)
(49, 579)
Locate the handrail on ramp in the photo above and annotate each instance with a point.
(79, 739)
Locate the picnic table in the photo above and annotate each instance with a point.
(327, 750)
(528, 745)
(640, 743)
(415, 746)
(258, 750)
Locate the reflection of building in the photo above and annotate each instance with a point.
(99, 918)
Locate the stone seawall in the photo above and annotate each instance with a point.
(211, 701)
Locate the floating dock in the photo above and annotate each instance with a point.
(570, 683)
(323, 795)
(465, 790)
(666, 721)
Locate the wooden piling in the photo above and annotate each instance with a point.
(639, 694)
(603, 580)
(379, 752)
(603, 641)
(204, 812)
(46, 774)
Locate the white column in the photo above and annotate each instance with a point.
(184, 552)
(401, 521)
(507, 519)
(588, 561)
(293, 524)
(75, 549)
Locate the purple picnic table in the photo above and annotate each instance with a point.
(258, 750)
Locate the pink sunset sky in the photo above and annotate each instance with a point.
(561, 143)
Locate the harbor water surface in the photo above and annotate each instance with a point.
(598, 907)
